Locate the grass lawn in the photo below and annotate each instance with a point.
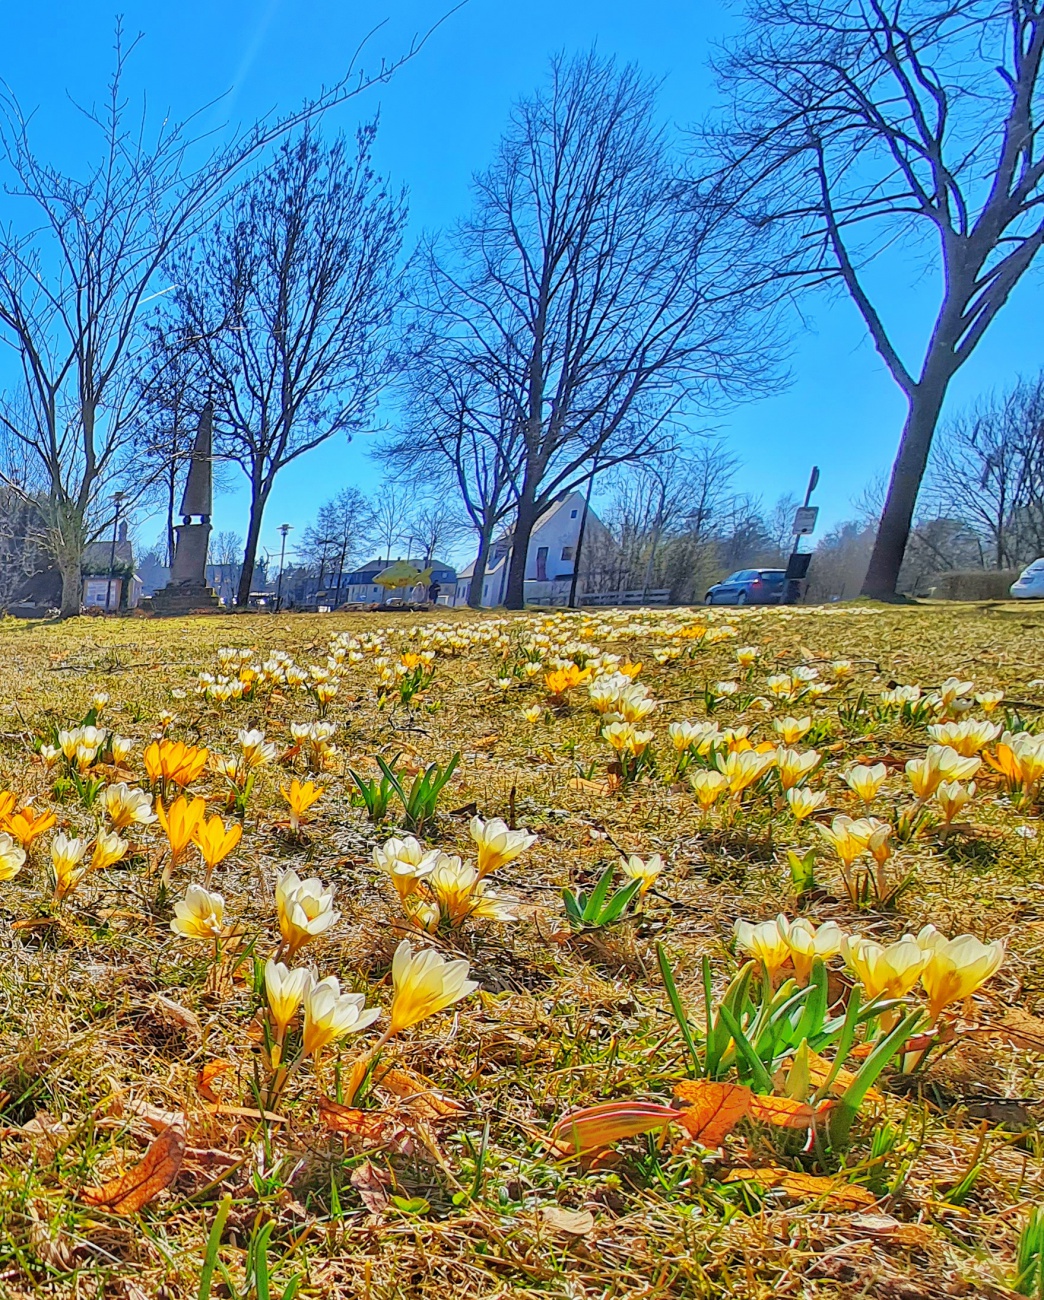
(826, 1109)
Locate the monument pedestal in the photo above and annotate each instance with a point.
(191, 598)
(187, 592)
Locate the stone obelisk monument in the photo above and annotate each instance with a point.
(187, 590)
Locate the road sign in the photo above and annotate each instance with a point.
(805, 520)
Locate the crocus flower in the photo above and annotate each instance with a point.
(127, 806)
(644, 869)
(497, 845)
(406, 861)
(304, 908)
(425, 983)
(807, 941)
(285, 989)
(27, 825)
(12, 858)
(708, 787)
(109, 848)
(180, 821)
(199, 915)
(791, 730)
(866, 781)
(66, 858)
(957, 967)
(804, 802)
(889, 972)
(300, 797)
(215, 840)
(329, 1014)
(764, 942)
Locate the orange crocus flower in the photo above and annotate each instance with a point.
(215, 841)
(173, 760)
(180, 821)
(300, 797)
(27, 825)
(7, 803)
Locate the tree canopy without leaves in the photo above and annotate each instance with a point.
(859, 126)
(82, 256)
(591, 292)
(290, 298)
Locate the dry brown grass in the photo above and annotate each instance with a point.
(105, 1014)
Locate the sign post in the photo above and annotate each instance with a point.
(804, 526)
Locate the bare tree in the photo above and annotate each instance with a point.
(388, 520)
(340, 529)
(597, 294)
(461, 432)
(171, 400)
(436, 527)
(291, 297)
(673, 498)
(226, 547)
(859, 126)
(77, 269)
(987, 468)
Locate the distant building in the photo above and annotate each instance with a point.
(550, 559)
(359, 587)
(109, 577)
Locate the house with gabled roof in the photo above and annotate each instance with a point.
(550, 560)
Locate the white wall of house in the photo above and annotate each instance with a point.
(549, 561)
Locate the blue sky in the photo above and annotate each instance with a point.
(440, 118)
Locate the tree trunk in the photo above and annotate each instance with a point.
(907, 472)
(478, 572)
(246, 577)
(72, 583)
(525, 518)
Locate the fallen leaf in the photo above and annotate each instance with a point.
(884, 1225)
(211, 1071)
(835, 1193)
(782, 1112)
(485, 742)
(609, 1122)
(1023, 1029)
(573, 1223)
(372, 1186)
(376, 1127)
(172, 1017)
(135, 1188)
(419, 1094)
(819, 1071)
(712, 1110)
(596, 787)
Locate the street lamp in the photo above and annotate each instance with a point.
(283, 529)
(117, 500)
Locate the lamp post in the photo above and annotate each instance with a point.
(283, 529)
(117, 500)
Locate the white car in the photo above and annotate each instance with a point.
(1030, 583)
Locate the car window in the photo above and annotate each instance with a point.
(1035, 567)
(772, 575)
(735, 577)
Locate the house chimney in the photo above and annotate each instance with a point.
(122, 534)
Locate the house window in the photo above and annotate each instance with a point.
(567, 552)
(572, 514)
(541, 564)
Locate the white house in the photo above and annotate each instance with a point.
(549, 561)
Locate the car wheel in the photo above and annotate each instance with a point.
(741, 598)
(708, 599)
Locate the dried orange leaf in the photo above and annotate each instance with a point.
(211, 1071)
(819, 1071)
(609, 1122)
(423, 1099)
(712, 1110)
(144, 1182)
(835, 1193)
(783, 1112)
